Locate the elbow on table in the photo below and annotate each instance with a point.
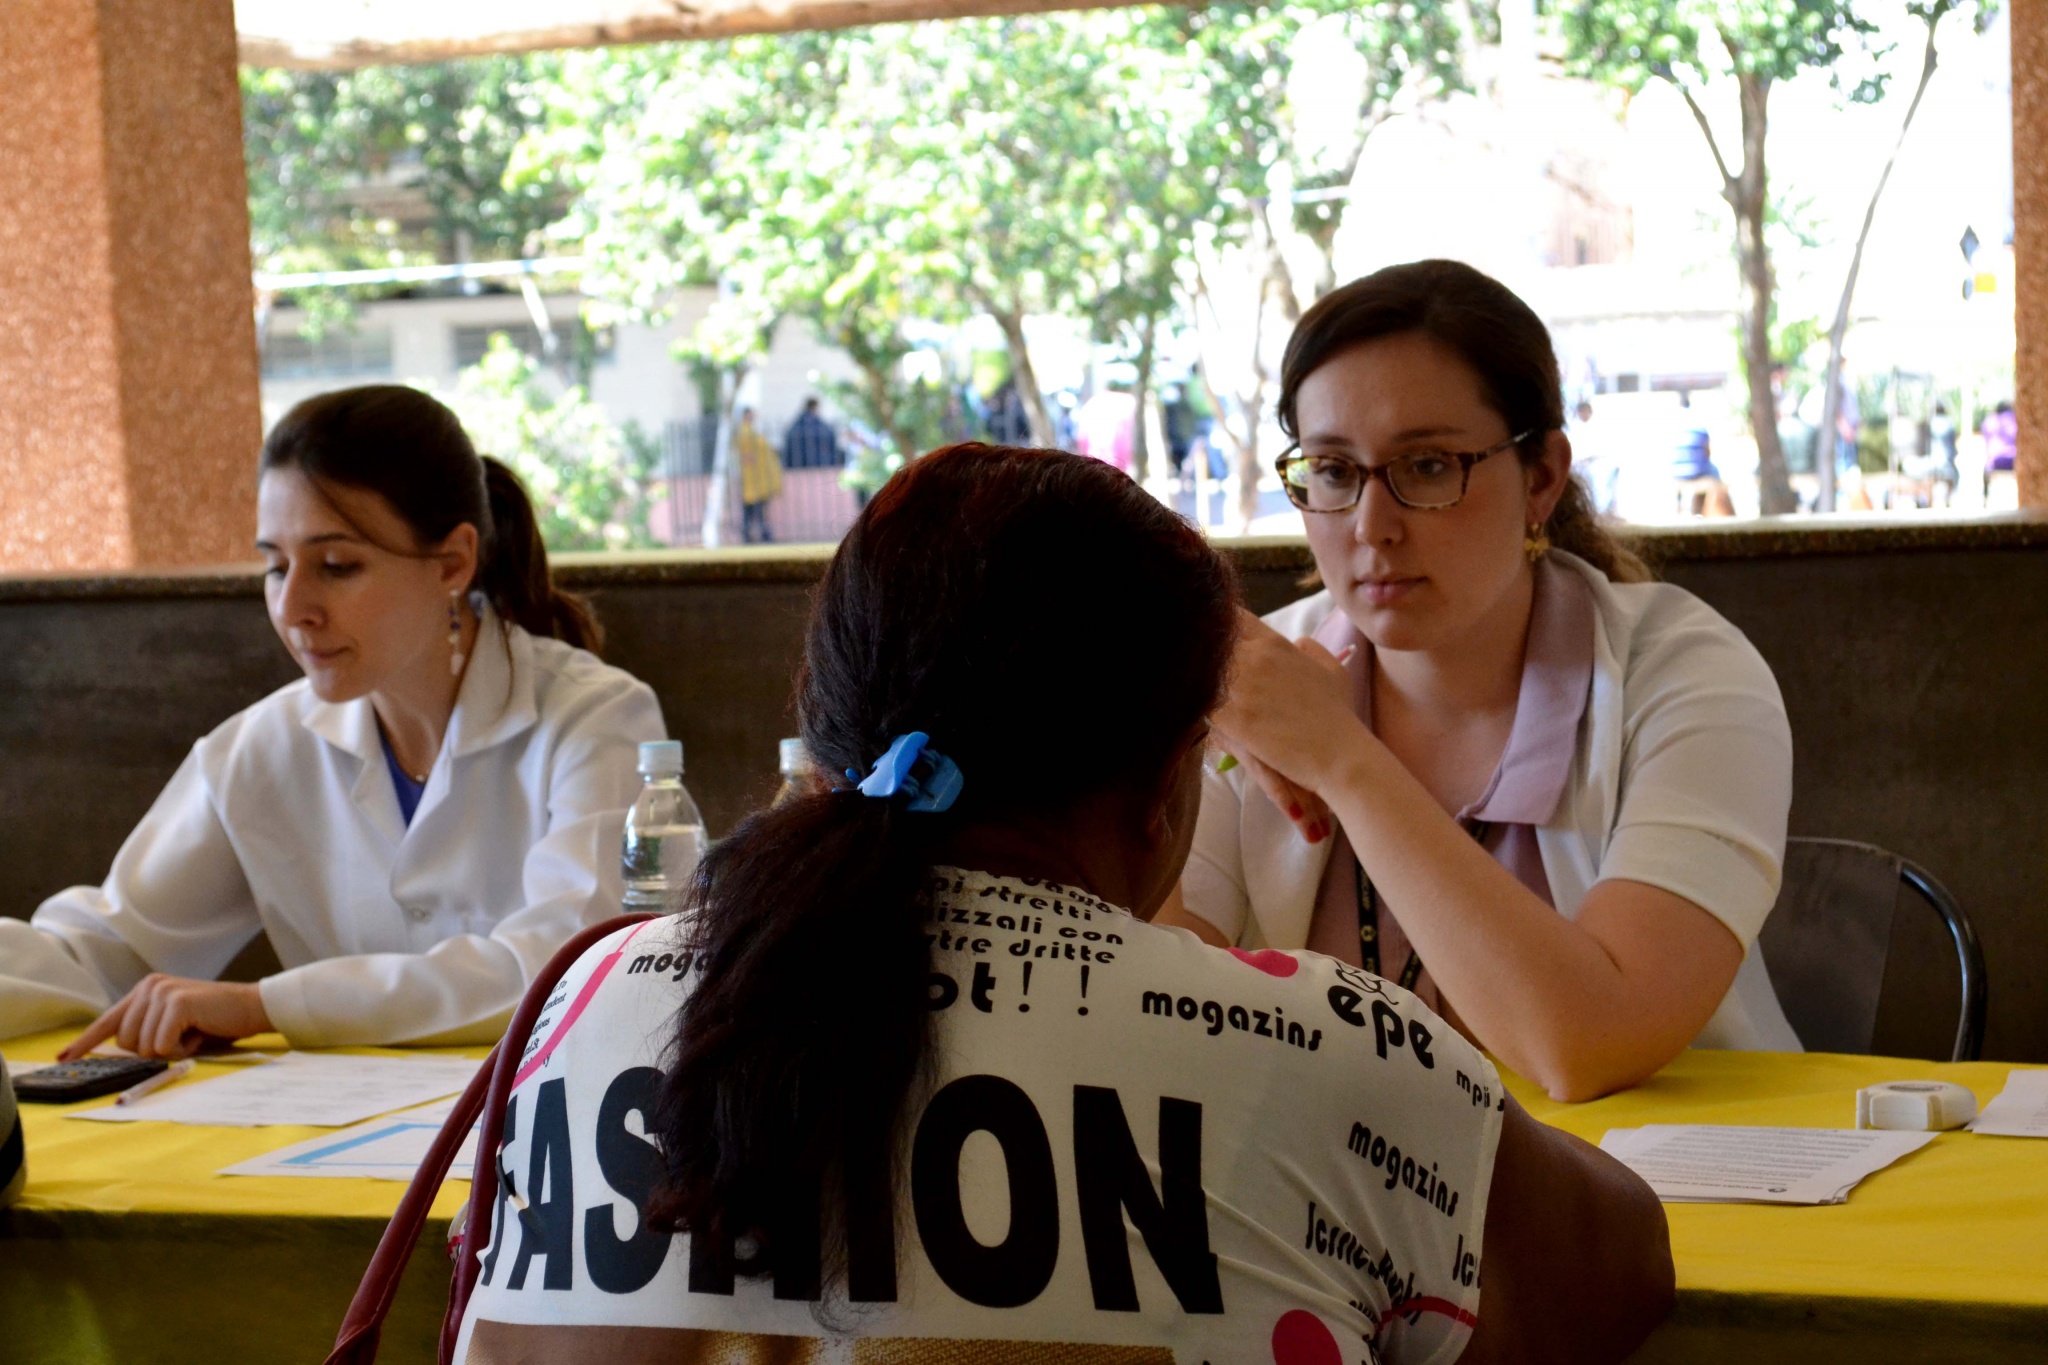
(1574, 1075)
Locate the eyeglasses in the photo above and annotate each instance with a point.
(1425, 480)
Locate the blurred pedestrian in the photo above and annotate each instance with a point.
(811, 443)
(1594, 459)
(1701, 492)
(1008, 423)
(1106, 427)
(2001, 439)
(760, 478)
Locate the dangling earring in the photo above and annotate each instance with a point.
(455, 634)
(1535, 544)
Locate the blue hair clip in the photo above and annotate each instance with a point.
(896, 773)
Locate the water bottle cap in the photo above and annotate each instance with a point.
(794, 759)
(661, 757)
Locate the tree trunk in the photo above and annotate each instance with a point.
(1141, 444)
(1748, 193)
(1831, 396)
(721, 461)
(1026, 378)
(882, 400)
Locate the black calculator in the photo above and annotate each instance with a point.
(85, 1079)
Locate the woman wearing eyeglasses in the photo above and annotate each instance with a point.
(1491, 761)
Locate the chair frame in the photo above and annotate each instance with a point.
(1969, 1044)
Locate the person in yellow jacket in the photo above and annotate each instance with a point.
(760, 478)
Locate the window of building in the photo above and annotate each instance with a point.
(357, 352)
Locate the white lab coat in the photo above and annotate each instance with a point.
(285, 819)
(1682, 779)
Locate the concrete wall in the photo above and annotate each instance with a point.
(1914, 664)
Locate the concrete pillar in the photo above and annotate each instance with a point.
(129, 415)
(2030, 242)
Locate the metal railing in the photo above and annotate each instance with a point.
(812, 506)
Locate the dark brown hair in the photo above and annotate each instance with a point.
(1494, 332)
(410, 450)
(1057, 633)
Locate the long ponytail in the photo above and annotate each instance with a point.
(991, 598)
(514, 573)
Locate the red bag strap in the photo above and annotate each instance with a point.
(356, 1342)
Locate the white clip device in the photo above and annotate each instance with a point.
(1915, 1106)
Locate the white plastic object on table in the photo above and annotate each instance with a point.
(1915, 1106)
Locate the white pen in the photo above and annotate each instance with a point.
(176, 1071)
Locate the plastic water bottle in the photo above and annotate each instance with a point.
(664, 832)
(796, 772)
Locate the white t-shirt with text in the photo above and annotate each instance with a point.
(1136, 1148)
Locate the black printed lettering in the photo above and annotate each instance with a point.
(631, 1166)
(1016, 1270)
(547, 1225)
(1174, 1220)
(1418, 1043)
(1387, 1026)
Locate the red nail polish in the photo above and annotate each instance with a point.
(1294, 811)
(1317, 834)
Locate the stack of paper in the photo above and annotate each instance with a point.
(2021, 1109)
(1699, 1164)
(311, 1089)
(390, 1148)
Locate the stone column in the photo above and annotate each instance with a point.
(129, 413)
(2029, 241)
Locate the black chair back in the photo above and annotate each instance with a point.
(1827, 941)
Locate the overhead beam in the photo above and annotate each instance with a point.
(673, 22)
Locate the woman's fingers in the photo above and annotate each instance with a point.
(1299, 804)
(170, 1016)
(97, 1032)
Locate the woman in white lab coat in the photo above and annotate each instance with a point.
(417, 824)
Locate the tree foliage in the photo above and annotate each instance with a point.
(1743, 47)
(336, 161)
(592, 482)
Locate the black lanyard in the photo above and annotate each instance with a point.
(1369, 917)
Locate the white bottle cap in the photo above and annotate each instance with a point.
(661, 758)
(794, 759)
(1915, 1106)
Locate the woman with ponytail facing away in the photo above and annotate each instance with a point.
(912, 1079)
(418, 823)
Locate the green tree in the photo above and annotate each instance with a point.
(1286, 173)
(1755, 44)
(400, 163)
(592, 482)
(1931, 15)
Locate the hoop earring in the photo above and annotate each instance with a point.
(455, 634)
(1535, 544)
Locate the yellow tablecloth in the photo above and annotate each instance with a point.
(127, 1246)
(1942, 1256)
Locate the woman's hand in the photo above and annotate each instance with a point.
(1287, 704)
(175, 1016)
